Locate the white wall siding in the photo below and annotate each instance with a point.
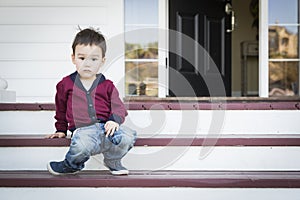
(34, 51)
(53, 15)
(36, 69)
(36, 38)
(55, 3)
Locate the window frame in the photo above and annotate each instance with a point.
(162, 59)
(264, 57)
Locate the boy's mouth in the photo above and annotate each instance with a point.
(87, 70)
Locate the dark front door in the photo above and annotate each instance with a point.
(199, 48)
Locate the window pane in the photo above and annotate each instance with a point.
(283, 78)
(141, 34)
(137, 51)
(141, 78)
(283, 42)
(141, 11)
(283, 11)
(141, 47)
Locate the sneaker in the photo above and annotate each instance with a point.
(59, 168)
(116, 168)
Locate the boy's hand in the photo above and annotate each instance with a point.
(111, 127)
(56, 135)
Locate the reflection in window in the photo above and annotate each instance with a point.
(282, 42)
(285, 41)
(137, 51)
(141, 47)
(141, 78)
(283, 48)
(283, 78)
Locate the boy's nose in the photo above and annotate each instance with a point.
(86, 63)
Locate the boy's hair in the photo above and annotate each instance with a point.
(90, 36)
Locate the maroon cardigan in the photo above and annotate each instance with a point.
(76, 107)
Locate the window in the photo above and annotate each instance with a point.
(141, 48)
(283, 48)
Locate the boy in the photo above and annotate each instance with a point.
(89, 106)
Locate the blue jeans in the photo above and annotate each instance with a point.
(91, 140)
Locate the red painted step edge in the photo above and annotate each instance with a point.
(196, 179)
(153, 105)
(40, 141)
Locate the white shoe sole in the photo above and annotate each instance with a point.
(119, 172)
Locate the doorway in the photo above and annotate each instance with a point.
(200, 48)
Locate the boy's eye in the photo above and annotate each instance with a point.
(94, 59)
(81, 58)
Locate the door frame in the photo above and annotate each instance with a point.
(163, 47)
(263, 42)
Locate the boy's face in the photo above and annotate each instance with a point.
(88, 60)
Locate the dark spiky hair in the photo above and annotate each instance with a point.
(90, 36)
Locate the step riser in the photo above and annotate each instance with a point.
(148, 193)
(170, 158)
(172, 122)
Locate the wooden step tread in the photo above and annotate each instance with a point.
(160, 104)
(197, 179)
(163, 140)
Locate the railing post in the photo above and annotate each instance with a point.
(6, 95)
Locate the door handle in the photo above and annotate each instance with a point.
(228, 11)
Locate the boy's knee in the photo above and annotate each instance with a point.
(83, 147)
(128, 131)
(128, 138)
(78, 148)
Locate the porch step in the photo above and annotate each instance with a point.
(204, 103)
(238, 165)
(156, 117)
(225, 152)
(255, 155)
(23, 140)
(195, 179)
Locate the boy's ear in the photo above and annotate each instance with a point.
(73, 58)
(103, 60)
